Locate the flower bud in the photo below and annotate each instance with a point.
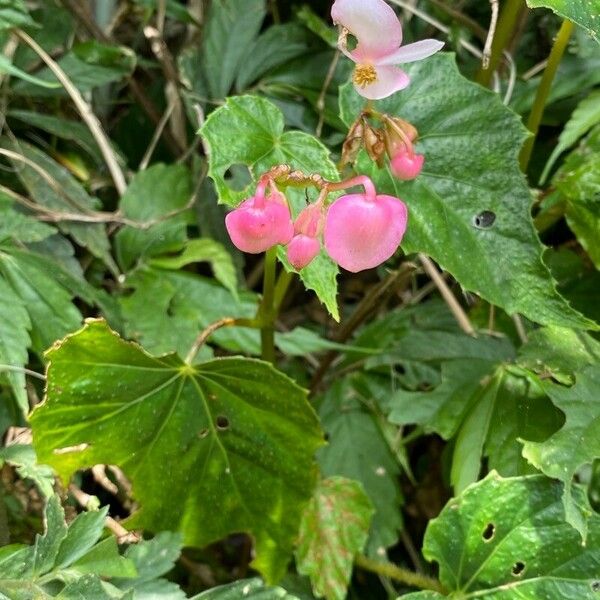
(406, 165)
(302, 250)
(260, 222)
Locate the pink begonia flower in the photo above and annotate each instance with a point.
(406, 165)
(364, 230)
(378, 32)
(260, 222)
(305, 245)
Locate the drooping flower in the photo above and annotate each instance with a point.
(406, 165)
(363, 230)
(378, 32)
(305, 245)
(260, 222)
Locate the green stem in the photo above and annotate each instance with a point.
(399, 574)
(266, 310)
(506, 28)
(543, 91)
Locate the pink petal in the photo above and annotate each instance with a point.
(361, 233)
(255, 229)
(411, 52)
(373, 22)
(389, 80)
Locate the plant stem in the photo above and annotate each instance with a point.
(266, 310)
(399, 574)
(457, 310)
(543, 91)
(505, 29)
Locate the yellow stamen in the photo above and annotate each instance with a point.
(364, 75)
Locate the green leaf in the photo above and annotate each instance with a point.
(89, 587)
(88, 65)
(104, 560)
(442, 409)
(7, 67)
(161, 193)
(357, 450)
(61, 192)
(277, 45)
(334, 529)
(153, 558)
(249, 131)
(471, 167)
(22, 456)
(584, 117)
(13, 13)
(507, 538)
(14, 341)
(85, 530)
(231, 27)
(559, 352)
(47, 546)
(252, 589)
(183, 305)
(22, 228)
(235, 438)
(41, 285)
(583, 12)
(509, 407)
(577, 443)
(65, 129)
(63, 554)
(203, 250)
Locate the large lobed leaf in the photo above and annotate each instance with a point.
(508, 538)
(222, 447)
(471, 143)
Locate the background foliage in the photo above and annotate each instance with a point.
(422, 433)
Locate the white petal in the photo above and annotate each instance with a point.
(389, 80)
(373, 23)
(412, 52)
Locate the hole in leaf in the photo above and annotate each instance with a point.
(326, 436)
(518, 569)
(484, 219)
(238, 177)
(203, 433)
(596, 586)
(222, 423)
(489, 532)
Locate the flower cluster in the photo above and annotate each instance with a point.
(359, 231)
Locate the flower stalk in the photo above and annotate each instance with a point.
(543, 91)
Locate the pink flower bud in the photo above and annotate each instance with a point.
(364, 230)
(302, 250)
(260, 223)
(406, 166)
